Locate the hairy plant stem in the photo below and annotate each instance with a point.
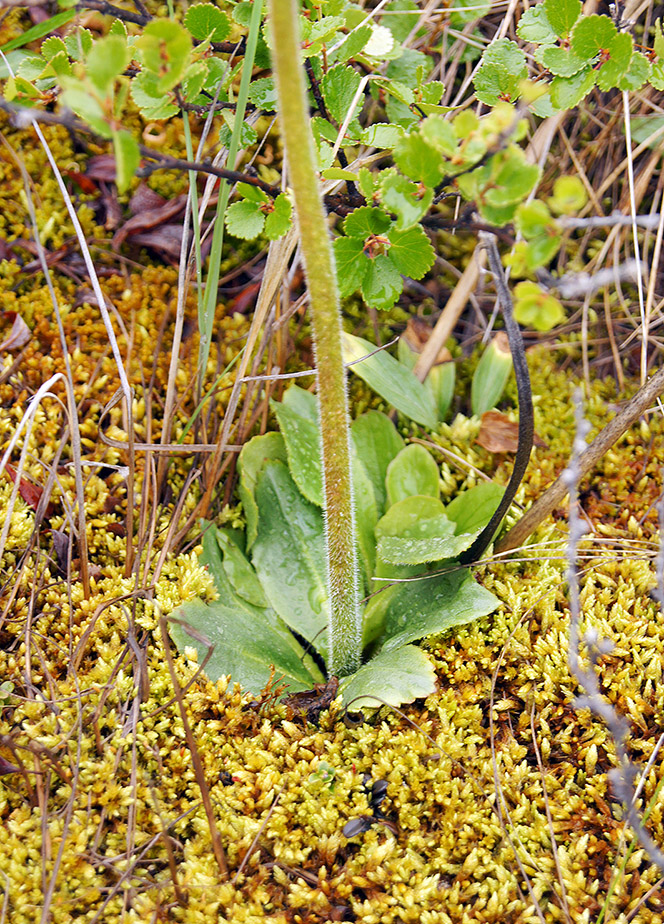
(345, 629)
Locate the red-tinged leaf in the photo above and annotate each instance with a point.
(151, 218)
(31, 493)
(20, 335)
(500, 434)
(245, 300)
(6, 767)
(86, 183)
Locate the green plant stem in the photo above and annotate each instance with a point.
(206, 316)
(345, 627)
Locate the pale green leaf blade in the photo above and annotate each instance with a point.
(394, 677)
(376, 442)
(288, 555)
(302, 437)
(434, 604)
(390, 380)
(413, 471)
(254, 455)
(127, 159)
(243, 647)
(471, 510)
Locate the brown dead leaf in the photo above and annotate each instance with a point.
(20, 335)
(145, 199)
(308, 704)
(500, 434)
(31, 493)
(101, 167)
(149, 219)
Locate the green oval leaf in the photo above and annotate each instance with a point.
(413, 471)
(390, 380)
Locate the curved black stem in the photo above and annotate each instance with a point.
(526, 419)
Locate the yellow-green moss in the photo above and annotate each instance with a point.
(108, 769)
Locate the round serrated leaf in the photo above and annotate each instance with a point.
(206, 21)
(278, 221)
(567, 92)
(592, 34)
(535, 27)
(352, 265)
(405, 199)
(533, 218)
(365, 221)
(637, 73)
(620, 54)
(382, 284)
(107, 60)
(411, 251)
(419, 160)
(562, 14)
(560, 61)
(245, 220)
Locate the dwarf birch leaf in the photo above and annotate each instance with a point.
(567, 92)
(533, 307)
(279, 220)
(620, 54)
(406, 199)
(263, 94)
(413, 471)
(107, 60)
(365, 221)
(392, 381)
(127, 158)
(353, 44)
(562, 14)
(152, 103)
(535, 27)
(206, 21)
(394, 677)
(560, 61)
(592, 34)
(352, 265)
(382, 135)
(339, 86)
(382, 284)
(411, 251)
(637, 73)
(419, 160)
(245, 219)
